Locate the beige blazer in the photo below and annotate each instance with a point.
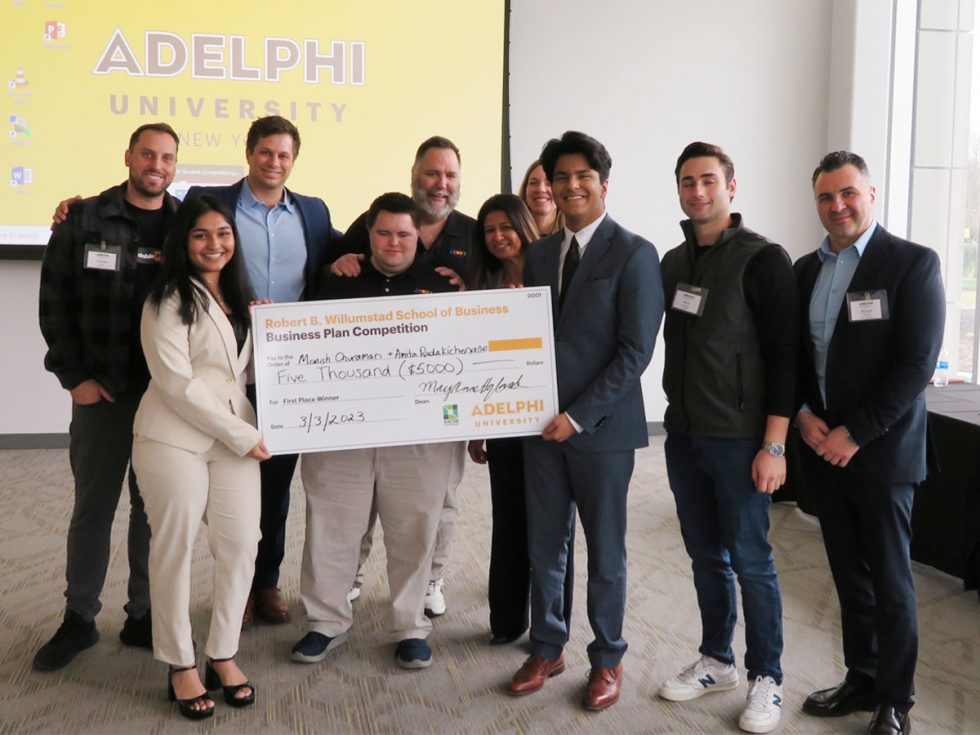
(196, 394)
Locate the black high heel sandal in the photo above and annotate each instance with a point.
(212, 680)
(186, 706)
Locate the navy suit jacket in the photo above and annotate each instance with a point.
(319, 233)
(877, 371)
(605, 333)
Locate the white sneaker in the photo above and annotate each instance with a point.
(354, 592)
(763, 705)
(435, 603)
(703, 676)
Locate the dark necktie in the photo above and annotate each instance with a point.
(572, 258)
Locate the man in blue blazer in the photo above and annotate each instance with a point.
(286, 238)
(608, 301)
(873, 310)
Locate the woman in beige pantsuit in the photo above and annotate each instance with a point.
(196, 450)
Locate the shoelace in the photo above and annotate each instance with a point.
(760, 695)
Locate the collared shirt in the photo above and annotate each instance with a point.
(583, 236)
(274, 246)
(836, 272)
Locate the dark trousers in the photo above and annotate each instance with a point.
(867, 530)
(277, 476)
(510, 569)
(101, 442)
(725, 525)
(560, 479)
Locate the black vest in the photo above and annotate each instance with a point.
(714, 374)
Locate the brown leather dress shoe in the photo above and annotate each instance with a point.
(889, 721)
(603, 688)
(270, 607)
(533, 673)
(249, 615)
(840, 700)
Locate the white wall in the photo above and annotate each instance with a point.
(648, 78)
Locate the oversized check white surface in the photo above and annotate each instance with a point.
(404, 369)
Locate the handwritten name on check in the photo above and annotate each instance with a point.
(404, 369)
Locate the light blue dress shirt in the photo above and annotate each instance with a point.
(274, 246)
(836, 272)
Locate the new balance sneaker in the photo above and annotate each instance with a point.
(413, 653)
(354, 592)
(314, 647)
(763, 705)
(703, 676)
(73, 637)
(435, 602)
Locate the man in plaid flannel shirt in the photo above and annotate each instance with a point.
(98, 268)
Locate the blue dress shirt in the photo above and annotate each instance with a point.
(274, 246)
(835, 276)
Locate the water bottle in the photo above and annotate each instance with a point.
(941, 377)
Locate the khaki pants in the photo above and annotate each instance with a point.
(408, 486)
(180, 489)
(447, 522)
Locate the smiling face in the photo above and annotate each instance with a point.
(210, 244)
(270, 162)
(394, 240)
(500, 236)
(538, 196)
(435, 182)
(577, 190)
(704, 195)
(845, 200)
(152, 163)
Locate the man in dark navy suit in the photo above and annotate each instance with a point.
(607, 299)
(872, 308)
(285, 237)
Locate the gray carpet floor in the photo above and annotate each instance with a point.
(358, 688)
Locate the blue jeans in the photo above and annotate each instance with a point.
(725, 522)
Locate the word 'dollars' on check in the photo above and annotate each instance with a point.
(404, 369)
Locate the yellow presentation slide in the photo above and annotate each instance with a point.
(365, 81)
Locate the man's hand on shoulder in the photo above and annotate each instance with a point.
(88, 392)
(61, 211)
(347, 265)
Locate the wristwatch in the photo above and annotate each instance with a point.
(774, 448)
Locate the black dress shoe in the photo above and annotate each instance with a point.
(889, 721)
(840, 700)
(503, 640)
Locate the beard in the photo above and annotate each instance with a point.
(152, 191)
(421, 198)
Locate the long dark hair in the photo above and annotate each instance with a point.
(178, 275)
(482, 265)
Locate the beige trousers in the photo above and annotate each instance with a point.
(180, 489)
(447, 522)
(408, 486)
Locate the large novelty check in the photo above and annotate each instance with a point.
(404, 369)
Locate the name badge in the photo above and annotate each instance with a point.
(867, 306)
(689, 299)
(148, 256)
(102, 257)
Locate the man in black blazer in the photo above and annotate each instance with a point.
(286, 238)
(607, 300)
(873, 310)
